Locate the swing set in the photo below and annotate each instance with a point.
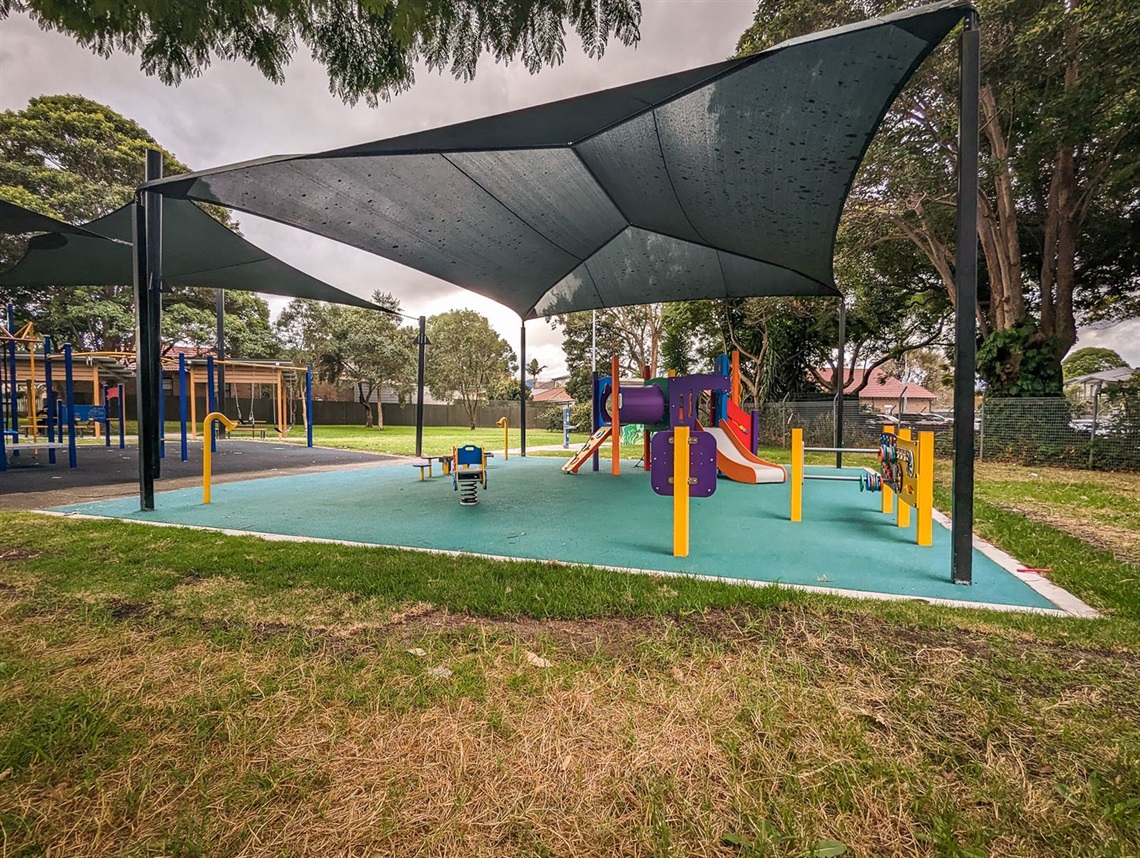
(283, 385)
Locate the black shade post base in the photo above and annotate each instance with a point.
(148, 325)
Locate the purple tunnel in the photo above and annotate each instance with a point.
(639, 405)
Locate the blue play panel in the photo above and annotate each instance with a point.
(533, 510)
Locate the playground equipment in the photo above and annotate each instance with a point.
(59, 418)
(684, 466)
(566, 427)
(906, 469)
(212, 418)
(681, 454)
(734, 431)
(468, 472)
(503, 424)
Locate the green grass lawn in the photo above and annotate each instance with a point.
(182, 692)
(438, 440)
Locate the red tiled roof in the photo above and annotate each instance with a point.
(189, 351)
(881, 385)
(551, 394)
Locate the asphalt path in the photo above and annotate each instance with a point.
(31, 483)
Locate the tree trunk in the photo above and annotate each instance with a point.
(367, 407)
(1007, 295)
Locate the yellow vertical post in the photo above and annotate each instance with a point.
(902, 514)
(96, 399)
(615, 418)
(207, 458)
(797, 474)
(924, 534)
(888, 493)
(681, 491)
(503, 422)
(193, 406)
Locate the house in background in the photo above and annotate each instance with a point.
(1089, 386)
(551, 392)
(886, 394)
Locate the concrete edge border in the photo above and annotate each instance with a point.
(1068, 604)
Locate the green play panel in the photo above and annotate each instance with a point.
(533, 510)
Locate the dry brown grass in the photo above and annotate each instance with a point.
(309, 735)
(1099, 508)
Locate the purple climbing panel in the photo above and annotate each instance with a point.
(702, 464)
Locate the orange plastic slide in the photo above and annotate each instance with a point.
(735, 460)
(587, 450)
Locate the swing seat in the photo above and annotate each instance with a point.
(252, 428)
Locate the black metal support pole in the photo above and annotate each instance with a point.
(966, 290)
(522, 389)
(840, 380)
(220, 316)
(421, 341)
(148, 320)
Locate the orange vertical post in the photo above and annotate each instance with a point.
(280, 404)
(797, 476)
(615, 418)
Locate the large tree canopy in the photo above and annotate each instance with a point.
(1059, 201)
(466, 358)
(76, 160)
(366, 348)
(369, 48)
(1089, 360)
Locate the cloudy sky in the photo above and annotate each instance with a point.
(231, 114)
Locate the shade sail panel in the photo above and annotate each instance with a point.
(17, 220)
(197, 251)
(727, 180)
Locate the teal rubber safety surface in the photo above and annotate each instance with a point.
(533, 510)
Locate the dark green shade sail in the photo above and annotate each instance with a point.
(197, 251)
(721, 181)
(17, 220)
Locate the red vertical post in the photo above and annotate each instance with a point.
(736, 377)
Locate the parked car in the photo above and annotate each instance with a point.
(928, 422)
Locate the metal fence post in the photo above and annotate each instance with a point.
(1095, 415)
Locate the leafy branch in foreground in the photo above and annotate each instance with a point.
(369, 48)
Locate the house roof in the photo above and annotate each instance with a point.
(880, 385)
(721, 181)
(1105, 376)
(551, 394)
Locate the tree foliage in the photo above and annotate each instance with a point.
(466, 358)
(635, 334)
(366, 348)
(76, 160)
(1059, 203)
(1091, 359)
(369, 49)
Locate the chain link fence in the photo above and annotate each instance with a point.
(1102, 433)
